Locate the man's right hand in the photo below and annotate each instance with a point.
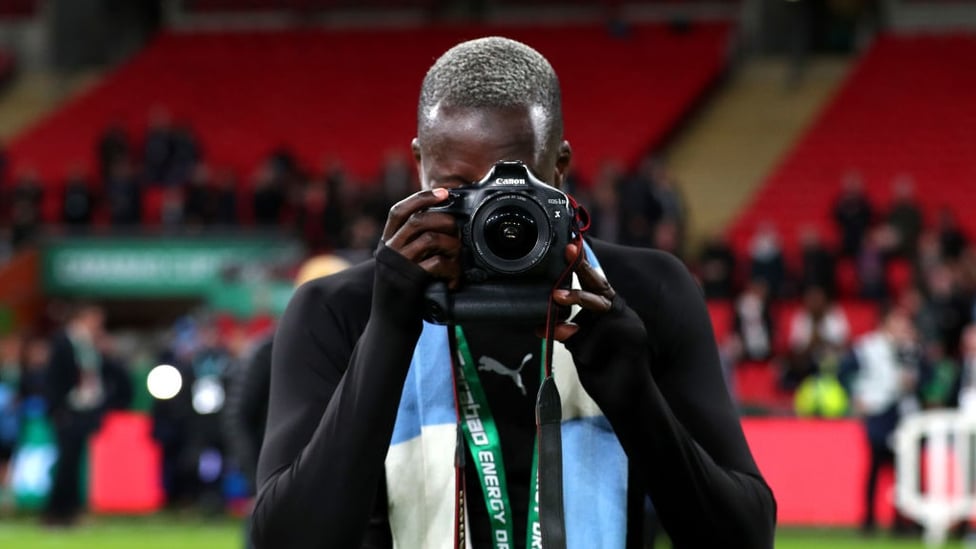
(429, 239)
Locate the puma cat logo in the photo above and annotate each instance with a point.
(486, 363)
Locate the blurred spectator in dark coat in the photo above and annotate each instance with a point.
(78, 204)
(818, 262)
(668, 195)
(946, 309)
(311, 218)
(604, 204)
(952, 241)
(640, 210)
(905, 217)
(113, 147)
(268, 198)
(158, 148)
(82, 384)
(336, 204)
(123, 195)
(225, 196)
(184, 158)
(717, 265)
(853, 213)
(199, 198)
(26, 199)
(872, 261)
(766, 259)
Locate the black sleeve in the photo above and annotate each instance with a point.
(333, 402)
(653, 368)
(247, 399)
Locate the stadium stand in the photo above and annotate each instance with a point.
(906, 109)
(352, 95)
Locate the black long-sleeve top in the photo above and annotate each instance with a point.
(341, 356)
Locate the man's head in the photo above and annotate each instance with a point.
(484, 101)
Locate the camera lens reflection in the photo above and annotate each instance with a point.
(511, 233)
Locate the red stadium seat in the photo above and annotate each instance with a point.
(319, 92)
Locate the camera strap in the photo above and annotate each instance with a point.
(481, 435)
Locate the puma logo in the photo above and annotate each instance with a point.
(486, 363)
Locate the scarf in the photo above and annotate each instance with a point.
(420, 462)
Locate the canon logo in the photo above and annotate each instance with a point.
(509, 181)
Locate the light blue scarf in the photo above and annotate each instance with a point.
(420, 462)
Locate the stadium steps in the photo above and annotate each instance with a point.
(906, 109)
(728, 148)
(34, 94)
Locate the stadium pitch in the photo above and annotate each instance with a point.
(168, 531)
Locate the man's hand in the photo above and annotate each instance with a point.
(429, 239)
(596, 294)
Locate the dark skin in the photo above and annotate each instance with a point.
(456, 147)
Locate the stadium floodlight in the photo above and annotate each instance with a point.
(164, 382)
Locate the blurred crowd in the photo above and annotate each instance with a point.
(162, 179)
(66, 380)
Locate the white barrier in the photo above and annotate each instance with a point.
(949, 495)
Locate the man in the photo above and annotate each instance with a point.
(884, 373)
(642, 349)
(82, 384)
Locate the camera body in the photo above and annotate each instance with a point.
(514, 230)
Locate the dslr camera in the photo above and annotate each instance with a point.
(514, 230)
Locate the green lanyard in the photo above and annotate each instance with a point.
(481, 434)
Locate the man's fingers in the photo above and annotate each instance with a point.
(586, 300)
(420, 223)
(442, 267)
(431, 243)
(593, 281)
(563, 332)
(589, 278)
(402, 210)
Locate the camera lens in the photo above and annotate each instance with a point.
(510, 233)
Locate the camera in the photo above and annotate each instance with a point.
(514, 230)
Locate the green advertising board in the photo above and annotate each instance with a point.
(153, 267)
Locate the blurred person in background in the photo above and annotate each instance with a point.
(123, 194)
(640, 210)
(966, 392)
(25, 199)
(853, 214)
(818, 333)
(10, 366)
(904, 216)
(81, 385)
(872, 262)
(113, 146)
(268, 198)
(158, 147)
(604, 203)
(946, 310)
(753, 322)
(884, 374)
(78, 201)
(246, 412)
(952, 241)
(817, 262)
(766, 259)
(717, 264)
